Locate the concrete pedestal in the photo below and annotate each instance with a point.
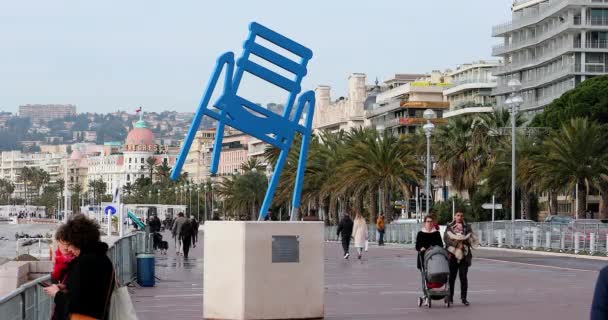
(247, 277)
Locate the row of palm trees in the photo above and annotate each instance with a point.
(365, 171)
(549, 162)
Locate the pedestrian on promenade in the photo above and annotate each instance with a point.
(61, 259)
(427, 237)
(154, 224)
(360, 234)
(345, 227)
(599, 307)
(380, 228)
(176, 230)
(90, 275)
(187, 233)
(458, 238)
(195, 226)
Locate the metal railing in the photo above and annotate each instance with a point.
(29, 302)
(577, 238)
(22, 247)
(403, 233)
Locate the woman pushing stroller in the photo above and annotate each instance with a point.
(433, 264)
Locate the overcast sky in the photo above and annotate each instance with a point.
(109, 55)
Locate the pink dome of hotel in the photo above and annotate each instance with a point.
(140, 138)
(76, 155)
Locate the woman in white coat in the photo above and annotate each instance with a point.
(360, 234)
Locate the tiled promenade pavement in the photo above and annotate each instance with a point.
(385, 285)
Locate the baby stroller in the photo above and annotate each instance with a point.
(435, 275)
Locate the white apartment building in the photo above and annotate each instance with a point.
(551, 46)
(199, 158)
(346, 112)
(471, 90)
(13, 162)
(400, 108)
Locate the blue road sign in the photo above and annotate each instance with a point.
(110, 210)
(238, 112)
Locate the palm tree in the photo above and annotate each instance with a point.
(6, 189)
(243, 194)
(377, 161)
(27, 174)
(39, 179)
(163, 172)
(150, 165)
(76, 192)
(576, 155)
(99, 188)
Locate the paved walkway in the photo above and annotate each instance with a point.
(385, 285)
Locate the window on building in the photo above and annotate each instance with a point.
(130, 160)
(142, 160)
(128, 177)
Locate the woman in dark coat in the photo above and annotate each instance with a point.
(426, 238)
(90, 276)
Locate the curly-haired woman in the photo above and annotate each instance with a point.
(90, 275)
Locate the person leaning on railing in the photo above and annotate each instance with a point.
(90, 276)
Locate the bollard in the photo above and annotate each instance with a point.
(592, 243)
(548, 240)
(562, 241)
(534, 238)
(577, 244)
(500, 238)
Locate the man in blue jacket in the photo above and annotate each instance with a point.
(599, 308)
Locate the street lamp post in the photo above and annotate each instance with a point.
(429, 114)
(513, 102)
(190, 201)
(205, 196)
(198, 202)
(212, 185)
(158, 196)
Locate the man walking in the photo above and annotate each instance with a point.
(195, 225)
(187, 234)
(346, 229)
(176, 231)
(380, 228)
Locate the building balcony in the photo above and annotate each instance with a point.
(470, 86)
(425, 104)
(550, 55)
(546, 9)
(503, 49)
(411, 121)
(541, 80)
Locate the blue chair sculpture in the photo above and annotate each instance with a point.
(246, 116)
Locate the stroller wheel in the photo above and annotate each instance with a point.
(428, 302)
(420, 302)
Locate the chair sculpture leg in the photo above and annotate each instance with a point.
(273, 184)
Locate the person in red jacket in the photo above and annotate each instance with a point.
(61, 259)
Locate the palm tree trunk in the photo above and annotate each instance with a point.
(553, 201)
(604, 201)
(373, 203)
(333, 215)
(582, 201)
(386, 199)
(525, 210)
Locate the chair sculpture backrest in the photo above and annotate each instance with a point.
(244, 115)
